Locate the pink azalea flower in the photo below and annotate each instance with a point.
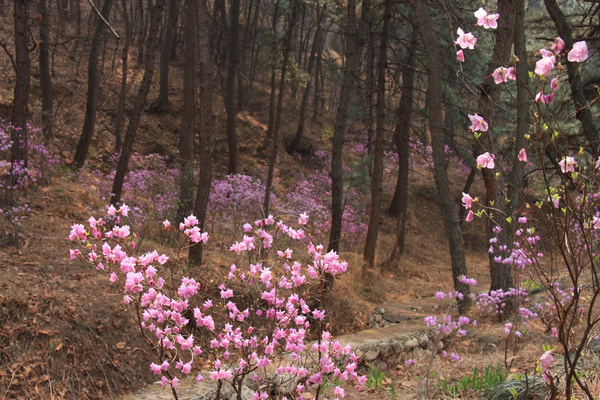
(503, 74)
(544, 98)
(567, 164)
(478, 123)
(465, 40)
(486, 160)
(545, 65)
(546, 360)
(558, 46)
(522, 155)
(486, 20)
(460, 56)
(579, 52)
(554, 84)
(467, 200)
(469, 216)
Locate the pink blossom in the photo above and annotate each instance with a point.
(544, 98)
(469, 216)
(546, 360)
(467, 200)
(409, 362)
(486, 160)
(554, 84)
(579, 52)
(478, 123)
(503, 74)
(486, 20)
(567, 164)
(596, 222)
(460, 56)
(558, 46)
(522, 155)
(465, 40)
(303, 219)
(166, 224)
(545, 65)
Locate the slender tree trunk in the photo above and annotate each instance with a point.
(140, 101)
(434, 95)
(582, 110)
(188, 122)
(272, 98)
(205, 78)
(120, 111)
(501, 274)
(311, 62)
(232, 65)
(91, 108)
(399, 205)
(377, 181)
(352, 54)
(20, 107)
(45, 77)
(162, 102)
(523, 101)
(287, 48)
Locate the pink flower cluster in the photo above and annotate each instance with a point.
(241, 339)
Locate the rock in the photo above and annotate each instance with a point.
(371, 355)
(411, 343)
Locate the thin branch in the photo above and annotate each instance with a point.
(104, 19)
(9, 54)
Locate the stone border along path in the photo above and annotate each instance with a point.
(397, 329)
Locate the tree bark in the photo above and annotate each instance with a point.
(317, 40)
(45, 77)
(352, 53)
(162, 102)
(434, 95)
(582, 111)
(230, 104)
(120, 111)
(91, 108)
(20, 107)
(501, 274)
(205, 78)
(140, 101)
(188, 122)
(377, 181)
(399, 205)
(276, 135)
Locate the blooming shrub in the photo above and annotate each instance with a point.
(244, 333)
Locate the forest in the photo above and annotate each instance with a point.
(299, 199)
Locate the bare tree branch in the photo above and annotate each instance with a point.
(104, 19)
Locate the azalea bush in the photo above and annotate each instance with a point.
(551, 240)
(267, 320)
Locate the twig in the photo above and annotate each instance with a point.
(9, 54)
(104, 19)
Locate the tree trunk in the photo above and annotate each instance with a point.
(501, 274)
(45, 78)
(140, 101)
(399, 205)
(434, 95)
(515, 176)
(272, 110)
(205, 78)
(120, 111)
(188, 122)
(232, 65)
(377, 181)
(582, 111)
(311, 62)
(352, 54)
(287, 48)
(20, 105)
(91, 108)
(162, 102)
